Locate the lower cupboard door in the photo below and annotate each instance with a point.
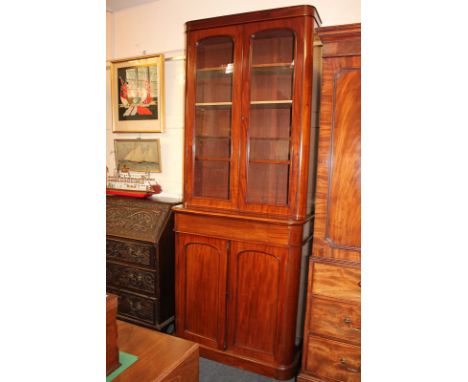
(256, 273)
(201, 289)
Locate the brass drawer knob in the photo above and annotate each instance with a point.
(348, 321)
(344, 363)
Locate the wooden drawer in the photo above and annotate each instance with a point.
(334, 360)
(136, 308)
(336, 281)
(136, 279)
(131, 252)
(332, 318)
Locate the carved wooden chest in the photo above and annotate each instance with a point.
(140, 260)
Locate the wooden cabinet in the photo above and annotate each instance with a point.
(248, 111)
(242, 235)
(332, 334)
(140, 260)
(236, 293)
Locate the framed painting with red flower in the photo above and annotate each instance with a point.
(137, 94)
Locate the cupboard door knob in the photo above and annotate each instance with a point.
(350, 369)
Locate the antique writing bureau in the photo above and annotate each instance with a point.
(140, 259)
(243, 233)
(332, 334)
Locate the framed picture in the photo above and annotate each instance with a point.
(137, 94)
(141, 155)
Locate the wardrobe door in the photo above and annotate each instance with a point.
(337, 232)
(201, 289)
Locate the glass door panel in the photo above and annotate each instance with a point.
(267, 183)
(213, 112)
(269, 131)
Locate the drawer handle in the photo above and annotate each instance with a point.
(350, 369)
(348, 321)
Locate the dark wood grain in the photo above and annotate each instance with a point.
(140, 259)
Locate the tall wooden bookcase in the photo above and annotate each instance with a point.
(244, 230)
(332, 334)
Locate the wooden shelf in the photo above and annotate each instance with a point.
(269, 139)
(217, 69)
(213, 159)
(268, 161)
(267, 69)
(272, 103)
(274, 65)
(211, 137)
(213, 104)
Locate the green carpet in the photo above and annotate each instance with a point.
(125, 361)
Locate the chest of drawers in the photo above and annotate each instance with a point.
(332, 331)
(140, 260)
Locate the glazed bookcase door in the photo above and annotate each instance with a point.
(213, 112)
(271, 115)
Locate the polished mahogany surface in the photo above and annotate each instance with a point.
(161, 358)
(248, 112)
(245, 225)
(331, 350)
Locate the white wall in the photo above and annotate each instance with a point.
(158, 27)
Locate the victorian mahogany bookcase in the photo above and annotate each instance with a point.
(243, 233)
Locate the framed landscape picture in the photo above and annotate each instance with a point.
(141, 155)
(137, 94)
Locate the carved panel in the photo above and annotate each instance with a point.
(137, 307)
(128, 277)
(135, 219)
(131, 252)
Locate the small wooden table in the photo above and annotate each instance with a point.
(161, 357)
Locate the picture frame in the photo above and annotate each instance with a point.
(138, 155)
(137, 94)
